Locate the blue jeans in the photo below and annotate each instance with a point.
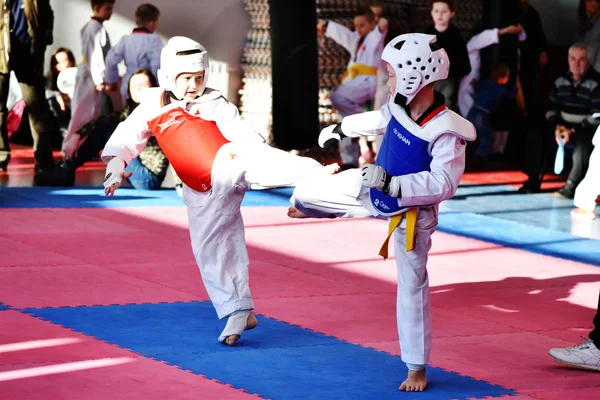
(485, 133)
(142, 177)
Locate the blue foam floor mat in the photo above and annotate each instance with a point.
(276, 360)
(494, 213)
(42, 197)
(517, 235)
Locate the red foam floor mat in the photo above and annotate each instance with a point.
(506, 304)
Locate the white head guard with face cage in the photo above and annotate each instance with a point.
(180, 55)
(417, 62)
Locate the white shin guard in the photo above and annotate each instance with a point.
(236, 325)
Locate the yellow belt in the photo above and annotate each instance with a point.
(83, 60)
(411, 223)
(359, 69)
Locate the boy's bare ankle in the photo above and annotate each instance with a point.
(293, 212)
(416, 381)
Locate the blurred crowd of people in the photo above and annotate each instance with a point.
(71, 108)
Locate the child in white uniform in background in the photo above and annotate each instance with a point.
(486, 38)
(420, 164)
(89, 83)
(589, 188)
(218, 156)
(139, 50)
(365, 45)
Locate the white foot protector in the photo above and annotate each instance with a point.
(237, 323)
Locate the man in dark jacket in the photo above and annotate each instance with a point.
(533, 58)
(25, 31)
(573, 101)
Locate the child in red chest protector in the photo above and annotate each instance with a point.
(218, 156)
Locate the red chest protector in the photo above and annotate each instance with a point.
(190, 144)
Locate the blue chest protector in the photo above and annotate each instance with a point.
(401, 153)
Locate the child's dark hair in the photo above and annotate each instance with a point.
(130, 105)
(146, 13)
(53, 73)
(367, 12)
(449, 2)
(373, 3)
(499, 71)
(100, 3)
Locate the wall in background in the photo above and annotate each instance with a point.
(220, 25)
(559, 18)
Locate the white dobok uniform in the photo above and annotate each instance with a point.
(442, 144)
(215, 220)
(589, 188)
(139, 50)
(86, 100)
(360, 80)
(466, 91)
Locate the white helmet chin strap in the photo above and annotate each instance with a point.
(182, 55)
(417, 62)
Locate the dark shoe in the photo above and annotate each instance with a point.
(4, 163)
(59, 176)
(567, 191)
(530, 187)
(496, 158)
(46, 166)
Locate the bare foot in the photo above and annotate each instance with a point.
(251, 323)
(415, 382)
(293, 212)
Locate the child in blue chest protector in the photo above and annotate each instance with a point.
(420, 164)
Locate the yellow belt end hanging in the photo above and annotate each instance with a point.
(411, 225)
(411, 222)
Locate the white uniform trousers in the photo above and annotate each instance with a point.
(215, 221)
(85, 104)
(348, 99)
(344, 196)
(589, 188)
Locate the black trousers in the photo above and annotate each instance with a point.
(28, 67)
(595, 333)
(582, 149)
(536, 136)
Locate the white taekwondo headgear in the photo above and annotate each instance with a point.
(417, 61)
(182, 54)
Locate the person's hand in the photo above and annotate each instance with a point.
(562, 134)
(383, 24)
(115, 173)
(543, 59)
(510, 30)
(61, 102)
(70, 145)
(373, 176)
(321, 26)
(101, 87)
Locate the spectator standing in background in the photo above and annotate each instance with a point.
(588, 30)
(26, 30)
(533, 58)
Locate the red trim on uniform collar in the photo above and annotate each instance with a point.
(438, 105)
(432, 115)
(140, 30)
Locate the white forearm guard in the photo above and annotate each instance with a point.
(114, 171)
